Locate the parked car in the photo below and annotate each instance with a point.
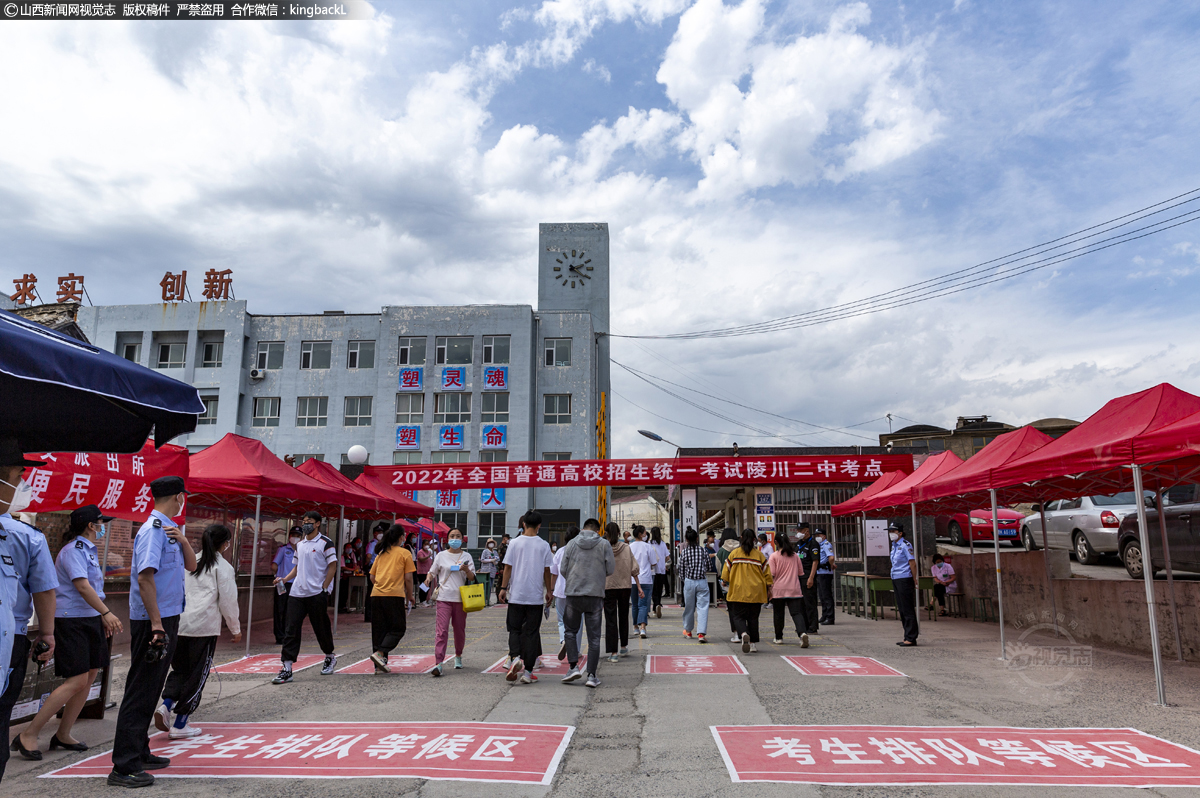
(979, 524)
(1181, 508)
(1087, 526)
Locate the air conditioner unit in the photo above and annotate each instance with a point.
(257, 374)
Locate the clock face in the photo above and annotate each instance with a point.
(574, 268)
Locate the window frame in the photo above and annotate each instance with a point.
(558, 414)
(268, 420)
(489, 350)
(170, 363)
(555, 457)
(262, 356)
(321, 417)
(354, 350)
(493, 456)
(406, 458)
(358, 414)
(449, 457)
(493, 531)
(209, 416)
(404, 354)
(459, 415)
(441, 350)
(408, 419)
(137, 352)
(300, 459)
(309, 348)
(494, 416)
(550, 358)
(210, 363)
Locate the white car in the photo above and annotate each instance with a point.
(1088, 526)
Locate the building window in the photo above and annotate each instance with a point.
(491, 525)
(270, 355)
(495, 350)
(358, 411)
(495, 408)
(346, 460)
(132, 352)
(437, 458)
(170, 356)
(453, 520)
(558, 409)
(454, 351)
(412, 352)
(266, 411)
(410, 408)
(977, 445)
(451, 408)
(558, 351)
(312, 411)
(210, 357)
(406, 458)
(493, 456)
(300, 459)
(360, 355)
(209, 416)
(556, 455)
(316, 354)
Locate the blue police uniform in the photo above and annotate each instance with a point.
(77, 560)
(825, 583)
(901, 555)
(8, 622)
(285, 558)
(34, 566)
(904, 588)
(153, 549)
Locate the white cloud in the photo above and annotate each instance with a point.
(599, 70)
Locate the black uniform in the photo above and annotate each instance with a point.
(809, 553)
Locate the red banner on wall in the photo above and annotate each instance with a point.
(119, 484)
(633, 473)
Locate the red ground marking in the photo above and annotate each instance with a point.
(548, 666)
(268, 664)
(914, 755)
(462, 751)
(398, 663)
(841, 666)
(722, 664)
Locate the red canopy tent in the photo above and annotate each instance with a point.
(904, 491)
(372, 504)
(1169, 442)
(966, 486)
(382, 488)
(854, 503)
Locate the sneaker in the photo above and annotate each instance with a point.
(285, 676)
(573, 675)
(380, 660)
(528, 678)
(735, 639)
(804, 641)
(777, 641)
(162, 717)
(330, 664)
(702, 637)
(184, 733)
(592, 681)
(745, 642)
(642, 631)
(152, 762)
(139, 779)
(562, 651)
(624, 652)
(753, 648)
(437, 671)
(507, 663)
(614, 659)
(514, 669)
(687, 634)
(458, 663)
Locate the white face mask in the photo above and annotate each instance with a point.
(22, 496)
(894, 536)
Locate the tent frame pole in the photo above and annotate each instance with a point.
(917, 541)
(999, 584)
(337, 575)
(1046, 560)
(1162, 530)
(253, 570)
(1148, 578)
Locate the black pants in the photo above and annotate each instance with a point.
(388, 623)
(939, 593)
(744, 616)
(793, 607)
(281, 613)
(316, 608)
(660, 584)
(905, 591)
(811, 613)
(189, 672)
(825, 592)
(143, 686)
(524, 623)
(616, 618)
(368, 610)
(585, 610)
(343, 601)
(16, 681)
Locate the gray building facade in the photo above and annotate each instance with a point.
(315, 385)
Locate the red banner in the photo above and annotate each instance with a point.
(634, 473)
(119, 484)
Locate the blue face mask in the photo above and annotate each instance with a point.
(456, 543)
(103, 531)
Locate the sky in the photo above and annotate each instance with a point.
(753, 160)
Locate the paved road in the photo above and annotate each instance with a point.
(1109, 567)
(643, 735)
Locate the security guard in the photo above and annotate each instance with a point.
(904, 583)
(825, 577)
(26, 564)
(161, 554)
(808, 552)
(285, 558)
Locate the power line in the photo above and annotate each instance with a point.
(689, 426)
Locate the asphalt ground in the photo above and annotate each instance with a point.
(648, 735)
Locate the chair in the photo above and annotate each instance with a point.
(954, 605)
(982, 609)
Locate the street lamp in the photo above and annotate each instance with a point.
(656, 437)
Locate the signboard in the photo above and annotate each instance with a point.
(408, 437)
(448, 500)
(495, 378)
(517, 753)
(680, 471)
(491, 499)
(716, 665)
(397, 663)
(690, 509)
(454, 378)
(877, 538)
(764, 510)
(268, 664)
(841, 666)
(493, 436)
(450, 437)
(912, 755)
(412, 379)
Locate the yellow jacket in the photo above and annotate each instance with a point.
(747, 575)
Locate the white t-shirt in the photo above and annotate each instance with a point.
(946, 571)
(450, 581)
(646, 558)
(529, 556)
(768, 550)
(312, 558)
(560, 584)
(661, 551)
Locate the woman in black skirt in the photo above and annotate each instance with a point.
(83, 625)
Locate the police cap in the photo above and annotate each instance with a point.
(895, 527)
(11, 455)
(88, 514)
(167, 486)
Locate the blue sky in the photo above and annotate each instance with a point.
(753, 160)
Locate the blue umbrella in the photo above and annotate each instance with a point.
(58, 394)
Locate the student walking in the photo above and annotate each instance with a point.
(211, 593)
(424, 563)
(785, 588)
(692, 569)
(587, 562)
(311, 576)
(729, 542)
(451, 569)
(662, 555)
(617, 590)
(809, 555)
(746, 573)
(560, 591)
(647, 559)
(392, 572)
(285, 558)
(488, 560)
(904, 583)
(527, 586)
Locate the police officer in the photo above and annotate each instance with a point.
(27, 569)
(825, 577)
(285, 558)
(161, 554)
(808, 552)
(904, 583)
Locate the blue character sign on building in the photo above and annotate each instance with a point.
(411, 379)
(448, 500)
(494, 436)
(491, 499)
(495, 378)
(454, 379)
(408, 437)
(450, 437)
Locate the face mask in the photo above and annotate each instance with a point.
(455, 543)
(821, 538)
(22, 495)
(293, 540)
(491, 547)
(894, 536)
(308, 528)
(103, 531)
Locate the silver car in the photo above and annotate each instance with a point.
(1087, 526)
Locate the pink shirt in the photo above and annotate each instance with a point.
(424, 560)
(785, 573)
